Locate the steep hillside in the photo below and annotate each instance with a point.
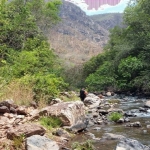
(108, 21)
(77, 37)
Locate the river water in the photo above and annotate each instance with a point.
(142, 134)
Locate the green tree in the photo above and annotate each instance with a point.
(25, 55)
(127, 52)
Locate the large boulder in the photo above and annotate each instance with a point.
(147, 104)
(79, 126)
(130, 144)
(69, 112)
(25, 129)
(37, 142)
(92, 100)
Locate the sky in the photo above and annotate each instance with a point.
(101, 6)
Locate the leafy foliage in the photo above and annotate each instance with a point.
(25, 55)
(50, 122)
(124, 66)
(115, 116)
(83, 146)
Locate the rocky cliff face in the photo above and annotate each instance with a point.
(77, 37)
(108, 21)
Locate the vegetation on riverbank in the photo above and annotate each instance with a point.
(87, 145)
(124, 66)
(29, 70)
(115, 116)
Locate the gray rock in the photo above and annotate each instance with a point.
(147, 104)
(148, 126)
(69, 112)
(121, 120)
(97, 128)
(37, 142)
(80, 126)
(111, 136)
(103, 112)
(130, 144)
(134, 124)
(92, 101)
(4, 109)
(61, 133)
(25, 129)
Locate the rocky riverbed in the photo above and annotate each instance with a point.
(130, 133)
(86, 121)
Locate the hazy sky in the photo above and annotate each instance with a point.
(105, 8)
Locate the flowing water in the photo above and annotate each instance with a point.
(142, 134)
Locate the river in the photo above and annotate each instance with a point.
(142, 134)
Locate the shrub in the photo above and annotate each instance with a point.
(21, 94)
(44, 86)
(50, 122)
(115, 116)
(83, 146)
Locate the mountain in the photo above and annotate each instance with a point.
(77, 37)
(109, 20)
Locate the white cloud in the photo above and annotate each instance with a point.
(102, 9)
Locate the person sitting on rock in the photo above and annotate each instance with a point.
(83, 94)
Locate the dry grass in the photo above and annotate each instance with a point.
(19, 93)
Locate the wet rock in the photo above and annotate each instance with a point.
(69, 112)
(144, 131)
(115, 110)
(62, 133)
(99, 121)
(108, 94)
(103, 112)
(141, 109)
(121, 120)
(129, 114)
(134, 124)
(93, 136)
(147, 104)
(111, 136)
(148, 126)
(126, 120)
(25, 129)
(90, 124)
(92, 101)
(130, 144)
(80, 126)
(37, 142)
(97, 128)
